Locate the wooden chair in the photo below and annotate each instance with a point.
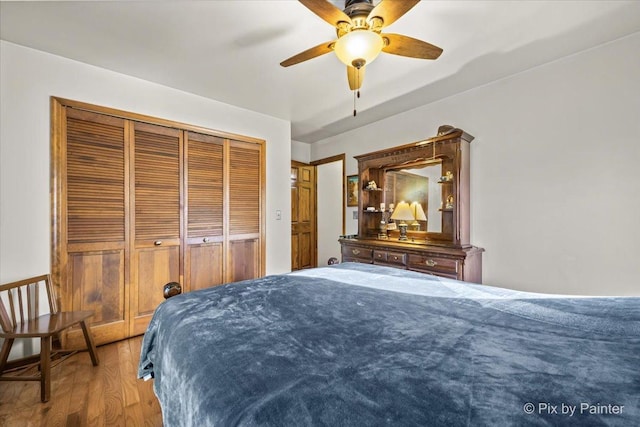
(23, 320)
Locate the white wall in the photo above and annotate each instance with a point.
(27, 80)
(555, 175)
(300, 151)
(330, 199)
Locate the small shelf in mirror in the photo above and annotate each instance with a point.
(446, 178)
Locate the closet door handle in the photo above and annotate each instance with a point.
(157, 242)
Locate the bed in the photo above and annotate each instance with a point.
(364, 345)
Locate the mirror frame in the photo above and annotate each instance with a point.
(451, 147)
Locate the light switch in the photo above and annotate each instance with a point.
(278, 215)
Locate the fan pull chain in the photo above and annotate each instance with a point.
(356, 92)
(354, 103)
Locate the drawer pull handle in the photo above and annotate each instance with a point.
(205, 240)
(395, 258)
(431, 263)
(355, 251)
(157, 242)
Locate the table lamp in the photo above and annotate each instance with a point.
(418, 215)
(402, 213)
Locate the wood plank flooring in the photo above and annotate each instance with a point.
(83, 395)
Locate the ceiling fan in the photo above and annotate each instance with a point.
(360, 40)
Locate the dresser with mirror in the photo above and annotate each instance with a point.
(413, 204)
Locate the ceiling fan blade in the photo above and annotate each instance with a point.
(398, 44)
(319, 50)
(326, 11)
(355, 77)
(391, 10)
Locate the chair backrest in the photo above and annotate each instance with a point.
(20, 301)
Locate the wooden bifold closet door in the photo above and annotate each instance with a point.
(137, 204)
(244, 214)
(93, 228)
(205, 195)
(155, 203)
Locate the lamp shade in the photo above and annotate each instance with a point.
(402, 212)
(357, 46)
(418, 212)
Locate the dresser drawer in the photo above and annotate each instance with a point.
(380, 256)
(389, 258)
(360, 254)
(396, 258)
(434, 264)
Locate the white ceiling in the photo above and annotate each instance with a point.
(230, 50)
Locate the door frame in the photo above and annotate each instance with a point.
(316, 163)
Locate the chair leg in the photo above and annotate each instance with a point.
(91, 346)
(45, 368)
(4, 354)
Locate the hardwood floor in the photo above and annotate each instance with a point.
(83, 395)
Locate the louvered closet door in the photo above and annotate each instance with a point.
(205, 208)
(245, 193)
(156, 221)
(95, 192)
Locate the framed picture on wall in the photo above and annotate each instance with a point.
(352, 190)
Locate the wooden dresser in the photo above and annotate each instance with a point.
(433, 173)
(460, 264)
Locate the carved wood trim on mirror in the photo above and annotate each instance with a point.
(433, 177)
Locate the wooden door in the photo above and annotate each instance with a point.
(205, 211)
(244, 218)
(156, 220)
(91, 163)
(303, 216)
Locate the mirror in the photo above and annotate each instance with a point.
(441, 163)
(420, 183)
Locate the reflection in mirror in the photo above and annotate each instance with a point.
(417, 186)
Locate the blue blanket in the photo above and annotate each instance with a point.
(362, 345)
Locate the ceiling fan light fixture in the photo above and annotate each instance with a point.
(358, 47)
